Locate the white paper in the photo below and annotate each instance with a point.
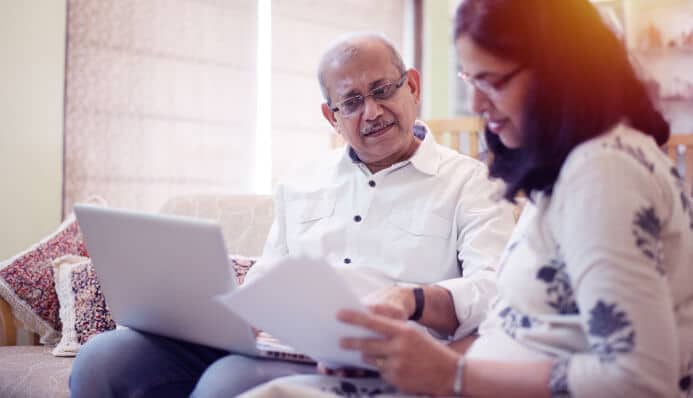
(297, 302)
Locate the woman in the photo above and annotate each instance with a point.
(596, 284)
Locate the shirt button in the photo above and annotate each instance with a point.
(347, 260)
(357, 218)
(371, 183)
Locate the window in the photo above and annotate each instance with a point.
(163, 97)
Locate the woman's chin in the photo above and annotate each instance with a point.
(509, 138)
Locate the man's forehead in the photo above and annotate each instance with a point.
(356, 65)
(359, 76)
(357, 81)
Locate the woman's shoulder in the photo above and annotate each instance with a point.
(620, 149)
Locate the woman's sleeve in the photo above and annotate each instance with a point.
(608, 215)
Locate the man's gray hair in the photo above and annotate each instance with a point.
(347, 46)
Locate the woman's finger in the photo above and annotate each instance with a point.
(371, 359)
(372, 347)
(388, 311)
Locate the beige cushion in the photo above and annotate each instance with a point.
(245, 219)
(31, 371)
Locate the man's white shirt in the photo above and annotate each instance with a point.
(432, 219)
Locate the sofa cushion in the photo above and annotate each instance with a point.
(31, 371)
(27, 284)
(245, 219)
(241, 265)
(83, 309)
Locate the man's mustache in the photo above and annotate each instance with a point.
(376, 126)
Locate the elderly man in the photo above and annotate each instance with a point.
(410, 225)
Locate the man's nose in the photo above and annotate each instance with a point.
(371, 109)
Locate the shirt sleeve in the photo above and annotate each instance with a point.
(276, 246)
(485, 223)
(610, 214)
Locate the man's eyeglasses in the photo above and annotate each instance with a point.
(491, 88)
(353, 105)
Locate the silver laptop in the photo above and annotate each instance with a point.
(160, 274)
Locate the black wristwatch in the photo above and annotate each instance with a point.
(418, 303)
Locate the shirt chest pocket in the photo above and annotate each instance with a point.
(305, 211)
(417, 244)
(412, 224)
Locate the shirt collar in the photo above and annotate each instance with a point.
(426, 159)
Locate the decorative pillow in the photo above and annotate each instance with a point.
(27, 284)
(241, 265)
(83, 309)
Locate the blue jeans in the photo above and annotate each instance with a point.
(128, 363)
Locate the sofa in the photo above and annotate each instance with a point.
(33, 371)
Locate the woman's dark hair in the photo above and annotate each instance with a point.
(583, 83)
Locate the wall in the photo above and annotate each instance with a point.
(438, 59)
(32, 47)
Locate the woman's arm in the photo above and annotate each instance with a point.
(609, 217)
(484, 378)
(417, 363)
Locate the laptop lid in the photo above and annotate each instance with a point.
(160, 273)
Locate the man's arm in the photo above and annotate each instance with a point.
(455, 307)
(484, 224)
(276, 246)
(400, 302)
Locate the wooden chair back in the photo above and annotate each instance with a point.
(462, 134)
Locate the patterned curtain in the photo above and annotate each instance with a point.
(160, 99)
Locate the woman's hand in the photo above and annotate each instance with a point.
(412, 361)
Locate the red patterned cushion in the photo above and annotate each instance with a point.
(83, 308)
(27, 284)
(241, 265)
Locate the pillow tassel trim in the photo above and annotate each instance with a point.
(68, 345)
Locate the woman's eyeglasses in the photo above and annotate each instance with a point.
(491, 88)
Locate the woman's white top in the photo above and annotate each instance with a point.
(600, 275)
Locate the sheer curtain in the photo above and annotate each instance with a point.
(301, 31)
(160, 99)
(161, 94)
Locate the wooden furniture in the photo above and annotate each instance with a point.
(680, 151)
(8, 328)
(462, 134)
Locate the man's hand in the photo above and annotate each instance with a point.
(394, 302)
